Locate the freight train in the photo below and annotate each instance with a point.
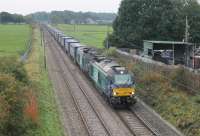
(115, 82)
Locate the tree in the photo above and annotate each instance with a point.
(192, 11)
(140, 20)
(6, 17)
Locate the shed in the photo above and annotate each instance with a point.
(170, 52)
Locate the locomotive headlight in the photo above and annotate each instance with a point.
(114, 93)
(133, 91)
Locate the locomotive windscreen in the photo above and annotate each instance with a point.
(123, 79)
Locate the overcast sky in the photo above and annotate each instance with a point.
(30, 6)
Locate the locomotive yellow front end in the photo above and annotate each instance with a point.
(123, 89)
(123, 92)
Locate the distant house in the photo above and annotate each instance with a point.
(90, 21)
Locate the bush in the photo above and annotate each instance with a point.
(179, 79)
(114, 41)
(14, 101)
(13, 67)
(111, 52)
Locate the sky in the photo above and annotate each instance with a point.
(29, 6)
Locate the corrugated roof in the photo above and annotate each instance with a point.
(168, 42)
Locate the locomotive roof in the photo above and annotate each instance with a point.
(111, 67)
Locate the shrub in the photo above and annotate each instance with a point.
(179, 78)
(31, 109)
(111, 52)
(14, 87)
(114, 41)
(11, 66)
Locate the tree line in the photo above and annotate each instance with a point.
(59, 17)
(139, 20)
(6, 17)
(70, 17)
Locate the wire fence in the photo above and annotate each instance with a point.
(24, 56)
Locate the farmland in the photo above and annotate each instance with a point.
(92, 35)
(13, 39)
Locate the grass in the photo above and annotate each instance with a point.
(91, 35)
(49, 122)
(13, 39)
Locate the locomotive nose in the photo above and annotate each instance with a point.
(122, 92)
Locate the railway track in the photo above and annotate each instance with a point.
(134, 122)
(92, 120)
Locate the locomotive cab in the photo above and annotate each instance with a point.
(122, 87)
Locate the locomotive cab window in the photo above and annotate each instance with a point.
(122, 79)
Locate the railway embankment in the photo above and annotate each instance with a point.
(171, 93)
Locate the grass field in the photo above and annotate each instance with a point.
(13, 39)
(92, 35)
(49, 123)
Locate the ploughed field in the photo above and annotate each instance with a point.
(92, 35)
(13, 39)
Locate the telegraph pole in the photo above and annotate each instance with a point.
(107, 42)
(186, 29)
(186, 25)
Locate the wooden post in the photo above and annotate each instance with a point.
(173, 54)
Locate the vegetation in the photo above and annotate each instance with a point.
(92, 35)
(18, 113)
(111, 52)
(163, 90)
(27, 103)
(70, 17)
(13, 39)
(48, 120)
(140, 20)
(6, 17)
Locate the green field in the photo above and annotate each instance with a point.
(13, 39)
(92, 35)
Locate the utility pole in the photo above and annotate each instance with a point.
(107, 42)
(186, 29)
(186, 25)
(74, 27)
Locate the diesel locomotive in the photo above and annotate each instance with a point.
(113, 81)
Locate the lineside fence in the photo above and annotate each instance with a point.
(24, 56)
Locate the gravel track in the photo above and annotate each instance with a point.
(71, 120)
(135, 124)
(149, 115)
